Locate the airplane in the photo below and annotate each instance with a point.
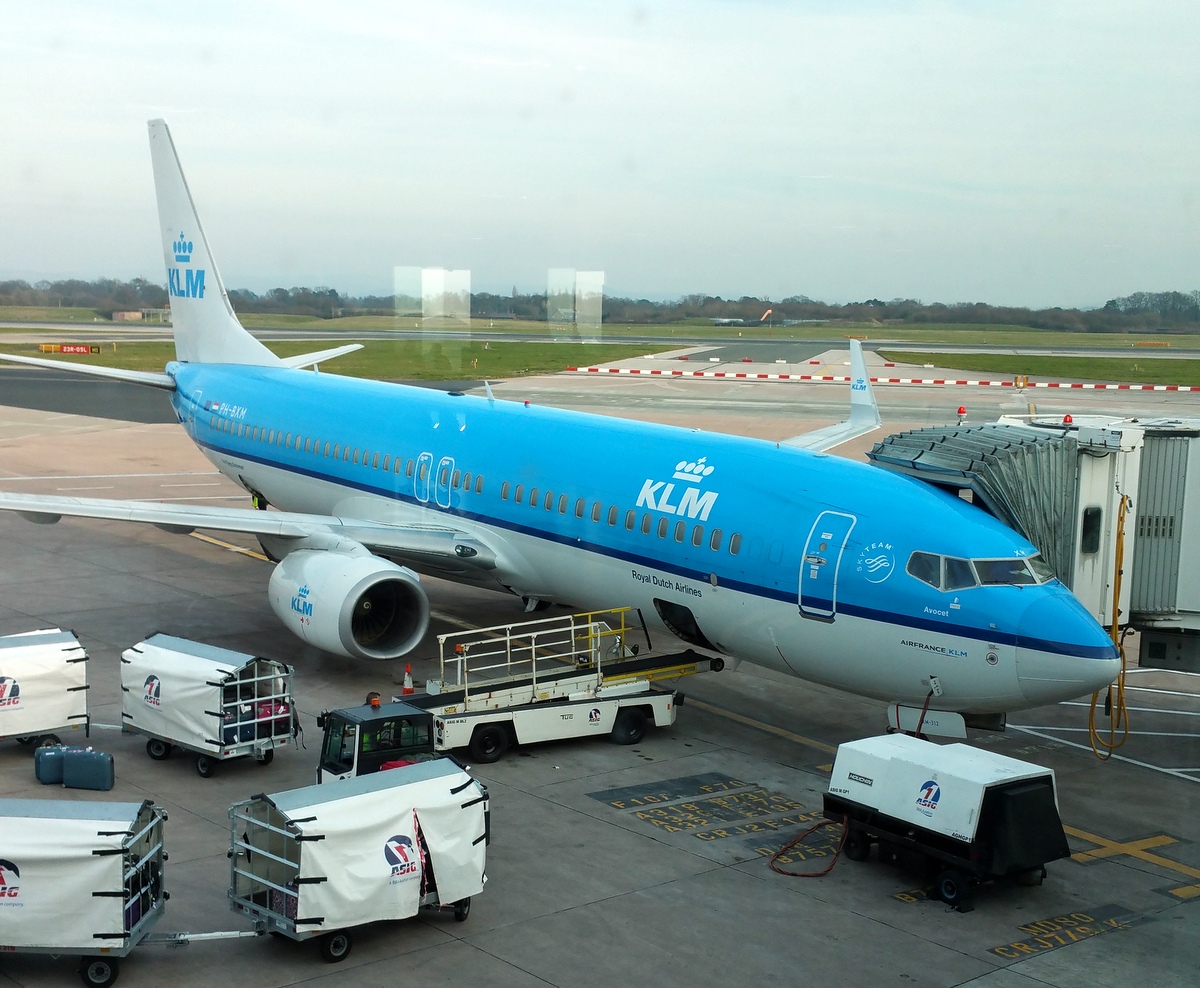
(834, 571)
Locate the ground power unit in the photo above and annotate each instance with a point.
(973, 815)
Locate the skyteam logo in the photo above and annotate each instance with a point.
(152, 691)
(302, 605)
(403, 857)
(693, 502)
(927, 798)
(10, 883)
(190, 282)
(876, 561)
(10, 693)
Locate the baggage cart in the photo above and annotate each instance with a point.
(80, 877)
(315, 863)
(974, 815)
(43, 687)
(213, 702)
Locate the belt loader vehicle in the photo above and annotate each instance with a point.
(545, 680)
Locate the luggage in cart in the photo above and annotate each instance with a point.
(80, 877)
(43, 687)
(213, 702)
(314, 863)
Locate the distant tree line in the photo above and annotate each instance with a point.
(1139, 312)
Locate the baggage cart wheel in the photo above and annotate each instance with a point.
(48, 741)
(857, 845)
(266, 757)
(462, 909)
(629, 727)
(206, 766)
(336, 946)
(99, 972)
(489, 743)
(951, 887)
(158, 750)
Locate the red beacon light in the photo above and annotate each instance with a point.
(962, 409)
(1067, 420)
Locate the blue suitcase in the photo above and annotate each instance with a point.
(48, 763)
(88, 770)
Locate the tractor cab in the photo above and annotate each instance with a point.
(372, 737)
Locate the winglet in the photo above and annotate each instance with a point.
(206, 329)
(864, 412)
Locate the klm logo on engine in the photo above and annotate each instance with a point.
(686, 498)
(301, 604)
(188, 283)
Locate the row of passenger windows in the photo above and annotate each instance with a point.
(663, 526)
(364, 457)
(464, 481)
(950, 573)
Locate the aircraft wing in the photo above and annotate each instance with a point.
(445, 548)
(864, 412)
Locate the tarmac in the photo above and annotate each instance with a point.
(608, 864)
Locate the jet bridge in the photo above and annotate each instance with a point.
(1060, 482)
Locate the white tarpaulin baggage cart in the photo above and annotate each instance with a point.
(79, 877)
(43, 687)
(211, 701)
(319, 861)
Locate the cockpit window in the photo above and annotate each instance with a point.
(959, 574)
(1041, 569)
(926, 567)
(1003, 572)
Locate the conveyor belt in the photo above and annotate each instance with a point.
(625, 667)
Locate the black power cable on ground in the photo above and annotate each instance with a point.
(779, 869)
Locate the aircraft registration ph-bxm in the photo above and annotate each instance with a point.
(775, 553)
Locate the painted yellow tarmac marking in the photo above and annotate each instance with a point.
(230, 546)
(1137, 849)
(758, 724)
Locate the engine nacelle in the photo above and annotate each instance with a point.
(353, 604)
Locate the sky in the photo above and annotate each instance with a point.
(1015, 152)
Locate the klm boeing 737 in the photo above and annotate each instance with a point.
(774, 553)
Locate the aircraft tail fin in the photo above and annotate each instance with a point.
(206, 328)
(864, 412)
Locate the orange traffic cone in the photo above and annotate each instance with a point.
(408, 683)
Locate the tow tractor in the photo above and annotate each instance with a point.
(564, 677)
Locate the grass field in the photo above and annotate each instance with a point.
(1121, 370)
(411, 360)
(949, 333)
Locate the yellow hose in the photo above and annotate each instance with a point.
(1114, 702)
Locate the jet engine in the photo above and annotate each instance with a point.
(350, 603)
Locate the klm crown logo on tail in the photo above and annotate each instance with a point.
(191, 283)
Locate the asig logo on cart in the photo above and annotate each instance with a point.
(927, 799)
(10, 883)
(10, 693)
(152, 691)
(402, 856)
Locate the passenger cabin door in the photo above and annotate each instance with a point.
(820, 564)
(197, 396)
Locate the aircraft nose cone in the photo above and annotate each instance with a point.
(1062, 651)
